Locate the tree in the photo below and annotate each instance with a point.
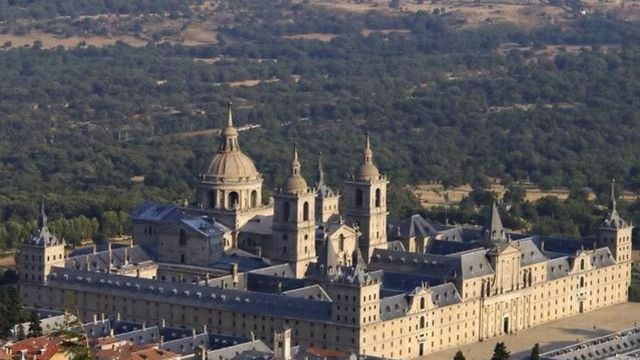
(500, 352)
(535, 352)
(459, 356)
(35, 329)
(20, 335)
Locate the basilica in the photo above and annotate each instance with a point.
(346, 279)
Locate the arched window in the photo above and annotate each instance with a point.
(305, 211)
(286, 212)
(581, 282)
(530, 278)
(378, 197)
(254, 199)
(581, 264)
(183, 237)
(524, 279)
(359, 197)
(233, 200)
(421, 303)
(421, 322)
(341, 243)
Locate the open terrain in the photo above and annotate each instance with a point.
(555, 334)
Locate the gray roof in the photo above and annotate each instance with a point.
(602, 257)
(530, 252)
(205, 225)
(315, 292)
(43, 237)
(157, 213)
(393, 307)
(558, 267)
(445, 295)
(414, 226)
(259, 224)
(247, 302)
(121, 257)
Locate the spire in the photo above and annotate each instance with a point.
(43, 215)
(614, 220)
(368, 153)
(320, 171)
(612, 203)
(295, 163)
(229, 135)
(496, 230)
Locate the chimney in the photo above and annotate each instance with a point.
(95, 319)
(95, 250)
(259, 251)
(102, 316)
(234, 273)
(144, 325)
(131, 242)
(542, 245)
(118, 317)
(111, 334)
(109, 257)
(193, 333)
(163, 323)
(204, 329)
(138, 273)
(161, 340)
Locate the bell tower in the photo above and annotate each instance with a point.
(294, 221)
(366, 193)
(615, 232)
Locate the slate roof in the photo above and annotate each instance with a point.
(157, 213)
(205, 225)
(247, 302)
(393, 307)
(414, 226)
(557, 268)
(530, 252)
(443, 247)
(259, 224)
(120, 257)
(43, 237)
(309, 292)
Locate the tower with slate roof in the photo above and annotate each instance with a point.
(615, 233)
(38, 254)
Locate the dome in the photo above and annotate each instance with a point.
(294, 184)
(232, 166)
(366, 171)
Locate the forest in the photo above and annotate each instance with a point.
(99, 130)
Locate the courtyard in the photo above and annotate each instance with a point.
(553, 335)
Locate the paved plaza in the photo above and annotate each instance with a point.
(554, 334)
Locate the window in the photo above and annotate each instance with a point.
(421, 322)
(233, 200)
(213, 198)
(183, 237)
(359, 197)
(286, 212)
(254, 198)
(422, 303)
(378, 197)
(305, 211)
(581, 264)
(341, 243)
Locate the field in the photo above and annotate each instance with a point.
(7, 261)
(431, 195)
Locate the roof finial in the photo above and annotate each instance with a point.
(229, 113)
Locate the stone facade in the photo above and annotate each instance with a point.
(339, 284)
